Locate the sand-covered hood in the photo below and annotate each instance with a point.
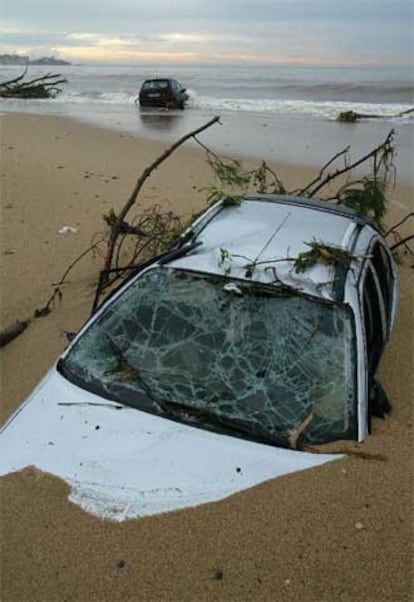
(123, 463)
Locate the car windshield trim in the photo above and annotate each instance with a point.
(192, 416)
(240, 364)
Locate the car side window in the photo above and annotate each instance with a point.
(373, 319)
(382, 264)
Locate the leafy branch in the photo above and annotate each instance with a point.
(154, 230)
(115, 230)
(233, 182)
(320, 252)
(382, 157)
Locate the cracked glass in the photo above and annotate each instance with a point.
(277, 362)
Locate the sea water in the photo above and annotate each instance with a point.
(285, 113)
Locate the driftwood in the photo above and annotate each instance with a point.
(11, 332)
(352, 116)
(40, 87)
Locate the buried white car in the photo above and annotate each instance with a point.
(215, 364)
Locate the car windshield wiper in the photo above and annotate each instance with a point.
(182, 412)
(172, 409)
(238, 426)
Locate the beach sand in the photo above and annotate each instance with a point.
(342, 532)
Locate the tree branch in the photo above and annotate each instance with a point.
(384, 146)
(140, 182)
(393, 228)
(324, 168)
(401, 242)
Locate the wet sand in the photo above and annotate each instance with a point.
(343, 531)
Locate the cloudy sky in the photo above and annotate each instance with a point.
(211, 31)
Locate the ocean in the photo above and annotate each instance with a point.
(297, 106)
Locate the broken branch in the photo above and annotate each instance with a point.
(345, 151)
(385, 148)
(39, 87)
(401, 242)
(115, 230)
(399, 224)
(11, 332)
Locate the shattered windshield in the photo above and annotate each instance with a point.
(271, 362)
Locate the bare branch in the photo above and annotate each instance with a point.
(393, 228)
(384, 147)
(43, 311)
(15, 79)
(140, 182)
(401, 242)
(345, 151)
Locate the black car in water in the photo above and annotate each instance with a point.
(162, 93)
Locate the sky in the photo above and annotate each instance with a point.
(190, 32)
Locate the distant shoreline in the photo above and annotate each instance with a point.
(288, 116)
(15, 59)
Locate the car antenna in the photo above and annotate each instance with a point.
(249, 271)
(277, 229)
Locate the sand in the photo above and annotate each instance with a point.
(343, 531)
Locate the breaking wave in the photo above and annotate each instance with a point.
(322, 109)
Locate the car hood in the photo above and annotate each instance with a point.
(122, 463)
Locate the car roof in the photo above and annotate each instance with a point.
(270, 231)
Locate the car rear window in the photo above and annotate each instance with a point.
(156, 84)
